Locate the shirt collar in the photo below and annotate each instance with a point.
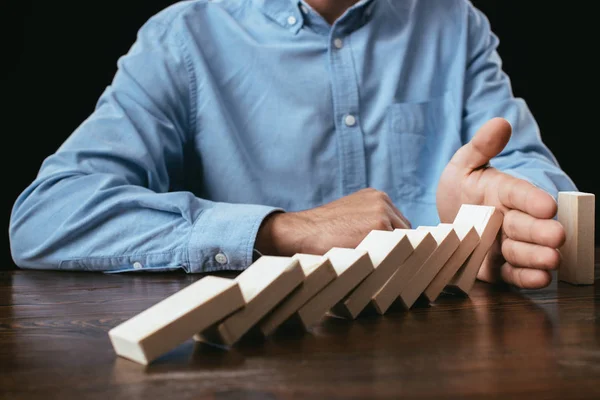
(285, 13)
(290, 15)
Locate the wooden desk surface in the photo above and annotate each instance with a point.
(499, 343)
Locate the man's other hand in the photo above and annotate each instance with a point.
(527, 245)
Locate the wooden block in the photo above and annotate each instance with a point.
(175, 319)
(576, 212)
(469, 239)
(387, 250)
(447, 242)
(351, 267)
(487, 221)
(319, 272)
(423, 244)
(264, 285)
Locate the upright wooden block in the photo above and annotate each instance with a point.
(447, 243)
(319, 273)
(469, 239)
(264, 284)
(351, 267)
(576, 212)
(423, 244)
(487, 221)
(175, 319)
(388, 250)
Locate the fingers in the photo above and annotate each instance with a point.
(487, 143)
(518, 194)
(520, 226)
(526, 252)
(403, 223)
(528, 255)
(525, 278)
(399, 221)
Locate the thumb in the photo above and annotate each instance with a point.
(487, 143)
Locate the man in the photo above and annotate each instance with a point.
(237, 128)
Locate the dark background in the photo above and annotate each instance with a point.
(70, 50)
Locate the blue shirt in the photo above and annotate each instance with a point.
(225, 111)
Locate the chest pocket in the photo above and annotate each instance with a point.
(418, 132)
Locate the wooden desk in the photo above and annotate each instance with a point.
(500, 343)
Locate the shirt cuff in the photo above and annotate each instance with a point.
(223, 237)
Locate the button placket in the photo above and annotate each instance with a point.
(351, 146)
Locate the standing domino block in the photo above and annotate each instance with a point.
(175, 319)
(576, 213)
(319, 272)
(447, 243)
(388, 250)
(264, 284)
(423, 244)
(469, 238)
(487, 221)
(351, 267)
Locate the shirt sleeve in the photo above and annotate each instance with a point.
(104, 200)
(488, 94)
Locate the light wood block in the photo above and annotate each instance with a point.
(319, 273)
(351, 267)
(175, 319)
(447, 243)
(576, 212)
(423, 244)
(487, 221)
(469, 239)
(388, 250)
(264, 284)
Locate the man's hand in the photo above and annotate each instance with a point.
(341, 223)
(526, 249)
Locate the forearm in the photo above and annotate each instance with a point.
(98, 223)
(488, 94)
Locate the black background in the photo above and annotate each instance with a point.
(70, 49)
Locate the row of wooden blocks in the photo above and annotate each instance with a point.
(386, 267)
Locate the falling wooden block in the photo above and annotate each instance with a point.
(576, 212)
(264, 285)
(175, 319)
(469, 239)
(351, 267)
(487, 221)
(423, 244)
(447, 243)
(388, 250)
(319, 272)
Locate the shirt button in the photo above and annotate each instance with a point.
(291, 20)
(350, 120)
(338, 43)
(137, 265)
(221, 258)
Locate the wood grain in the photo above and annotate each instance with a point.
(498, 343)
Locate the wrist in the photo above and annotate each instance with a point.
(278, 235)
(265, 244)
